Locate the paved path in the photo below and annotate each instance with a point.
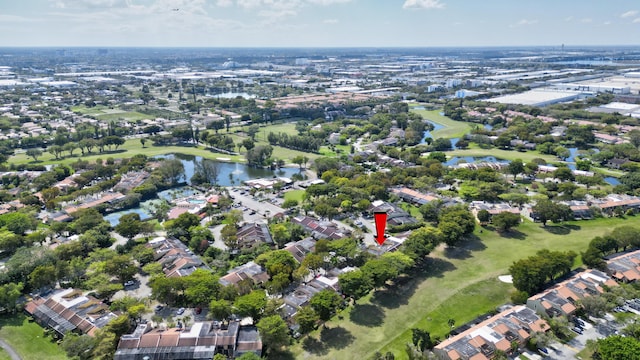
(12, 353)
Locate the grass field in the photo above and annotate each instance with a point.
(452, 128)
(457, 284)
(27, 338)
(4, 355)
(294, 195)
(106, 114)
(502, 154)
(133, 146)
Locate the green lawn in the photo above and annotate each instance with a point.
(458, 284)
(28, 339)
(294, 195)
(452, 128)
(502, 154)
(104, 113)
(4, 355)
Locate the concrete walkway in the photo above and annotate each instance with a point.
(12, 353)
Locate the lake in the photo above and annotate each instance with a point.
(231, 174)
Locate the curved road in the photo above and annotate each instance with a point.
(12, 353)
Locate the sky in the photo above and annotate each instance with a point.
(318, 23)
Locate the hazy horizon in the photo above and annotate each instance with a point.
(318, 23)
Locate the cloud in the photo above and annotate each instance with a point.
(569, 18)
(586, 20)
(525, 22)
(330, 21)
(224, 3)
(423, 4)
(606, 23)
(636, 20)
(628, 14)
(328, 2)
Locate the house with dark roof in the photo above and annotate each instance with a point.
(201, 341)
(562, 298)
(176, 259)
(413, 197)
(253, 234)
(395, 215)
(300, 249)
(68, 310)
(499, 332)
(256, 273)
(320, 229)
(625, 267)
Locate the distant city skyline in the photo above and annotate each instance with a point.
(318, 23)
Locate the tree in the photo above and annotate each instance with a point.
(355, 284)
(9, 295)
(143, 141)
(34, 153)
(325, 303)
(421, 242)
(626, 236)
(505, 220)
(251, 304)
(220, 309)
(562, 152)
(17, 222)
(130, 225)
(307, 318)
(43, 276)
(274, 332)
(70, 147)
(55, 150)
(547, 210)
(515, 167)
(618, 347)
(421, 339)
(246, 356)
(78, 346)
(564, 174)
(172, 171)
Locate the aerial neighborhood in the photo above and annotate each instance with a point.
(193, 204)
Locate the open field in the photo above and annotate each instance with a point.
(27, 338)
(452, 128)
(107, 114)
(294, 195)
(502, 154)
(133, 147)
(457, 284)
(4, 355)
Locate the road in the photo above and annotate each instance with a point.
(12, 353)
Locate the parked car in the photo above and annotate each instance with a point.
(129, 283)
(180, 311)
(577, 330)
(158, 307)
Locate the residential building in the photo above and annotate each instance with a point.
(320, 229)
(395, 215)
(200, 341)
(480, 342)
(253, 234)
(249, 271)
(561, 299)
(69, 310)
(625, 267)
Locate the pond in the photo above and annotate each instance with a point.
(230, 174)
(488, 127)
(427, 134)
(472, 159)
(612, 181)
(114, 218)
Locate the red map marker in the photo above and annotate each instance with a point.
(380, 217)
